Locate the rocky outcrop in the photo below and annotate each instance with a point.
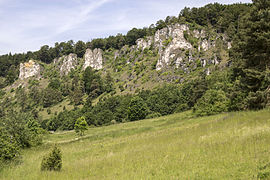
(93, 59)
(205, 45)
(29, 69)
(168, 40)
(66, 63)
(229, 45)
(179, 46)
(144, 43)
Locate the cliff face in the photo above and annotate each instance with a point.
(29, 69)
(66, 63)
(93, 59)
(179, 46)
(169, 41)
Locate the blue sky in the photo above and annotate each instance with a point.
(28, 24)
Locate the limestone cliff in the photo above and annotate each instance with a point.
(29, 69)
(66, 63)
(144, 43)
(168, 41)
(93, 59)
(179, 46)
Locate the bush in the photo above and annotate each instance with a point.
(80, 125)
(137, 109)
(8, 149)
(52, 161)
(256, 100)
(153, 115)
(212, 102)
(181, 108)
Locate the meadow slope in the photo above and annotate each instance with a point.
(226, 146)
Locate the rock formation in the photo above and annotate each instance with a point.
(29, 69)
(66, 63)
(174, 36)
(142, 43)
(93, 59)
(178, 46)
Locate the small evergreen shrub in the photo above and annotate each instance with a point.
(80, 125)
(52, 161)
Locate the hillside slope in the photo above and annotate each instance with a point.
(179, 146)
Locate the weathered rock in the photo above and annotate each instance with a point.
(142, 43)
(30, 69)
(207, 71)
(93, 59)
(203, 62)
(205, 45)
(175, 36)
(229, 45)
(178, 62)
(66, 63)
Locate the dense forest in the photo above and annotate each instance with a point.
(241, 86)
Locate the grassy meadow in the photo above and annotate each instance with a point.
(225, 146)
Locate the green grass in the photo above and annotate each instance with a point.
(225, 146)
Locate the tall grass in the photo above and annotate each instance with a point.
(225, 146)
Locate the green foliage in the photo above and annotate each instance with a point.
(23, 129)
(153, 115)
(9, 149)
(109, 82)
(52, 161)
(18, 130)
(212, 102)
(216, 15)
(251, 60)
(181, 108)
(137, 109)
(63, 121)
(76, 96)
(44, 54)
(80, 126)
(135, 34)
(193, 90)
(255, 100)
(139, 67)
(80, 48)
(51, 97)
(93, 83)
(54, 83)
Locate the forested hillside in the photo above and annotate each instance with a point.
(210, 60)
